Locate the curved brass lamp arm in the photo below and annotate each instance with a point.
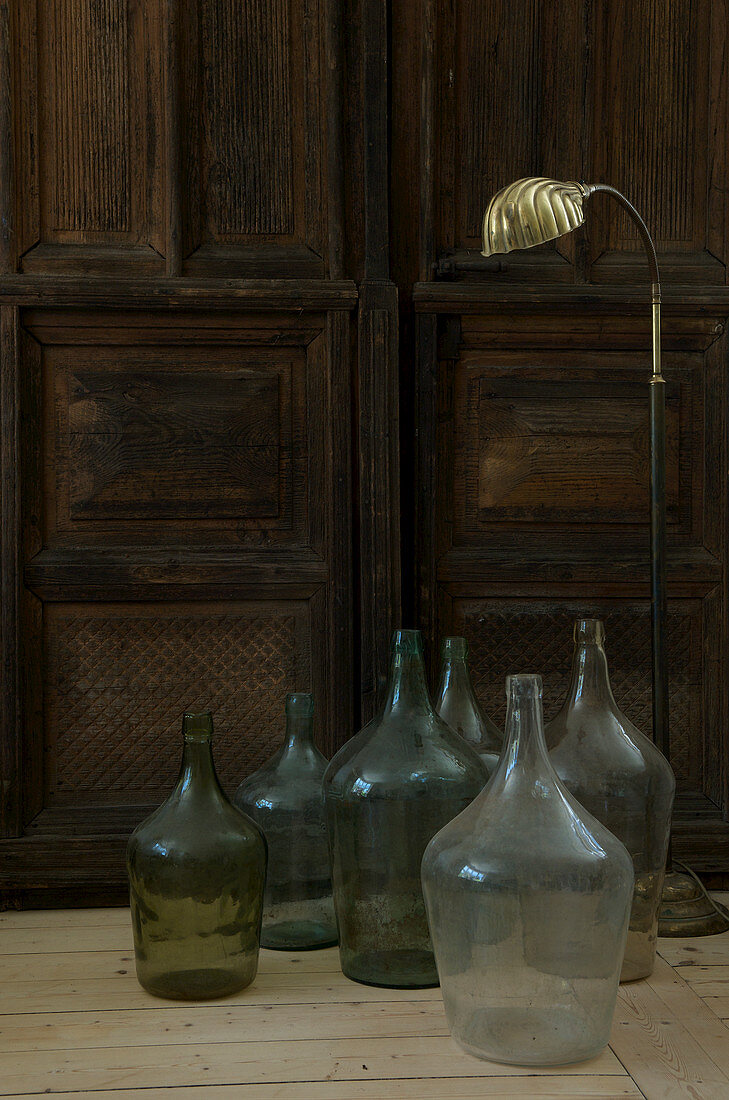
(650, 248)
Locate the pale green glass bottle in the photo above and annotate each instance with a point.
(196, 869)
(457, 704)
(285, 798)
(620, 776)
(387, 791)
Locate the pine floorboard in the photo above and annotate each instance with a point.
(74, 1023)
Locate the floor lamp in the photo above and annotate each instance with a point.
(531, 212)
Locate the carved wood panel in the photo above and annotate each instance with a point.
(165, 433)
(90, 153)
(120, 676)
(170, 133)
(541, 440)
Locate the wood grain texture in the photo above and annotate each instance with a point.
(7, 178)
(73, 1015)
(10, 555)
(134, 435)
(247, 96)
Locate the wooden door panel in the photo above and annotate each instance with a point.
(219, 103)
(89, 155)
(542, 440)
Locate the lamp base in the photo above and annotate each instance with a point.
(686, 908)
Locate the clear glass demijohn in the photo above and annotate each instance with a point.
(285, 798)
(457, 704)
(528, 899)
(196, 872)
(621, 778)
(388, 791)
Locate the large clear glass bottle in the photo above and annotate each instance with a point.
(528, 899)
(285, 798)
(196, 873)
(457, 704)
(388, 791)
(621, 778)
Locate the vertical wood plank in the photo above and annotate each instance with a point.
(7, 212)
(334, 136)
(173, 160)
(379, 490)
(425, 467)
(339, 526)
(10, 809)
(427, 141)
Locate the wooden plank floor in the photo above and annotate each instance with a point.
(74, 1023)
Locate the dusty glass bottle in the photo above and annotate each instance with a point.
(621, 778)
(387, 791)
(457, 704)
(528, 899)
(285, 798)
(196, 873)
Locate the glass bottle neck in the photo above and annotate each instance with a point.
(197, 774)
(408, 688)
(590, 684)
(456, 677)
(299, 733)
(526, 748)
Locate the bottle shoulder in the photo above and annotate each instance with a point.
(536, 827)
(589, 741)
(197, 825)
(394, 753)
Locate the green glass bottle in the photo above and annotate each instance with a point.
(387, 792)
(457, 704)
(196, 868)
(285, 798)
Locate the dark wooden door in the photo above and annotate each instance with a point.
(188, 398)
(530, 433)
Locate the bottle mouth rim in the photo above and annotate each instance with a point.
(454, 645)
(197, 725)
(407, 643)
(300, 704)
(523, 683)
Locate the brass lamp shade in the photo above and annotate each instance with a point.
(532, 211)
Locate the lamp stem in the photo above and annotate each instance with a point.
(657, 488)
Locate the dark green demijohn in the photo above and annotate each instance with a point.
(196, 869)
(285, 798)
(388, 791)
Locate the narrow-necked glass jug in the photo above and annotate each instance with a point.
(285, 798)
(621, 778)
(457, 704)
(196, 873)
(528, 899)
(388, 791)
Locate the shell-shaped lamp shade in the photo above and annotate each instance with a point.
(532, 211)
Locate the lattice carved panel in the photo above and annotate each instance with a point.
(119, 681)
(526, 638)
